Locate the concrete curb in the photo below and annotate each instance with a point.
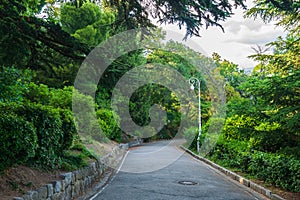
(267, 193)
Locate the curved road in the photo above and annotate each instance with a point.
(154, 171)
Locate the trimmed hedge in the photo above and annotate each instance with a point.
(18, 140)
(54, 130)
(49, 132)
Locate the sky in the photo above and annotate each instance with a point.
(235, 43)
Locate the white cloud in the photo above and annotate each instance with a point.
(235, 44)
(235, 27)
(261, 37)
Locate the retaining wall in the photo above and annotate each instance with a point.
(74, 184)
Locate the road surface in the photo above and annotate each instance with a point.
(162, 171)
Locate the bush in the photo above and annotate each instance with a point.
(262, 136)
(231, 153)
(68, 128)
(38, 93)
(291, 151)
(62, 98)
(269, 141)
(209, 134)
(239, 127)
(58, 98)
(18, 140)
(85, 117)
(191, 135)
(40, 114)
(55, 130)
(48, 123)
(108, 124)
(61, 101)
(13, 83)
(280, 170)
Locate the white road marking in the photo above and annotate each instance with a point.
(95, 195)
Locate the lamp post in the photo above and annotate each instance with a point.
(195, 82)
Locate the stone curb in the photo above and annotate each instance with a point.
(267, 193)
(101, 184)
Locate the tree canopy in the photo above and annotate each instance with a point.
(287, 12)
(191, 15)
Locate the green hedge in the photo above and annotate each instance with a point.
(68, 128)
(54, 130)
(49, 132)
(18, 140)
(280, 170)
(36, 124)
(108, 124)
(191, 135)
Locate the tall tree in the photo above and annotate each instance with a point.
(274, 92)
(31, 42)
(189, 14)
(88, 23)
(287, 12)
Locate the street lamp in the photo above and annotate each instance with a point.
(195, 82)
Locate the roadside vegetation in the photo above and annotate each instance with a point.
(41, 55)
(261, 135)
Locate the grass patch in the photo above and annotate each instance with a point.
(77, 157)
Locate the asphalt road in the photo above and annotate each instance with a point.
(156, 171)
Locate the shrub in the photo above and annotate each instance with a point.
(18, 140)
(13, 83)
(62, 98)
(211, 131)
(190, 135)
(38, 93)
(108, 124)
(280, 170)
(45, 113)
(230, 152)
(68, 128)
(239, 127)
(48, 123)
(58, 98)
(262, 136)
(85, 117)
(269, 141)
(291, 151)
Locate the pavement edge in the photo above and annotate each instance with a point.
(110, 173)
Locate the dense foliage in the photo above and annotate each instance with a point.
(40, 57)
(192, 15)
(34, 122)
(261, 133)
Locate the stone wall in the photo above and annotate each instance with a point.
(74, 184)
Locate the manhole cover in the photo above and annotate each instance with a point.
(187, 183)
